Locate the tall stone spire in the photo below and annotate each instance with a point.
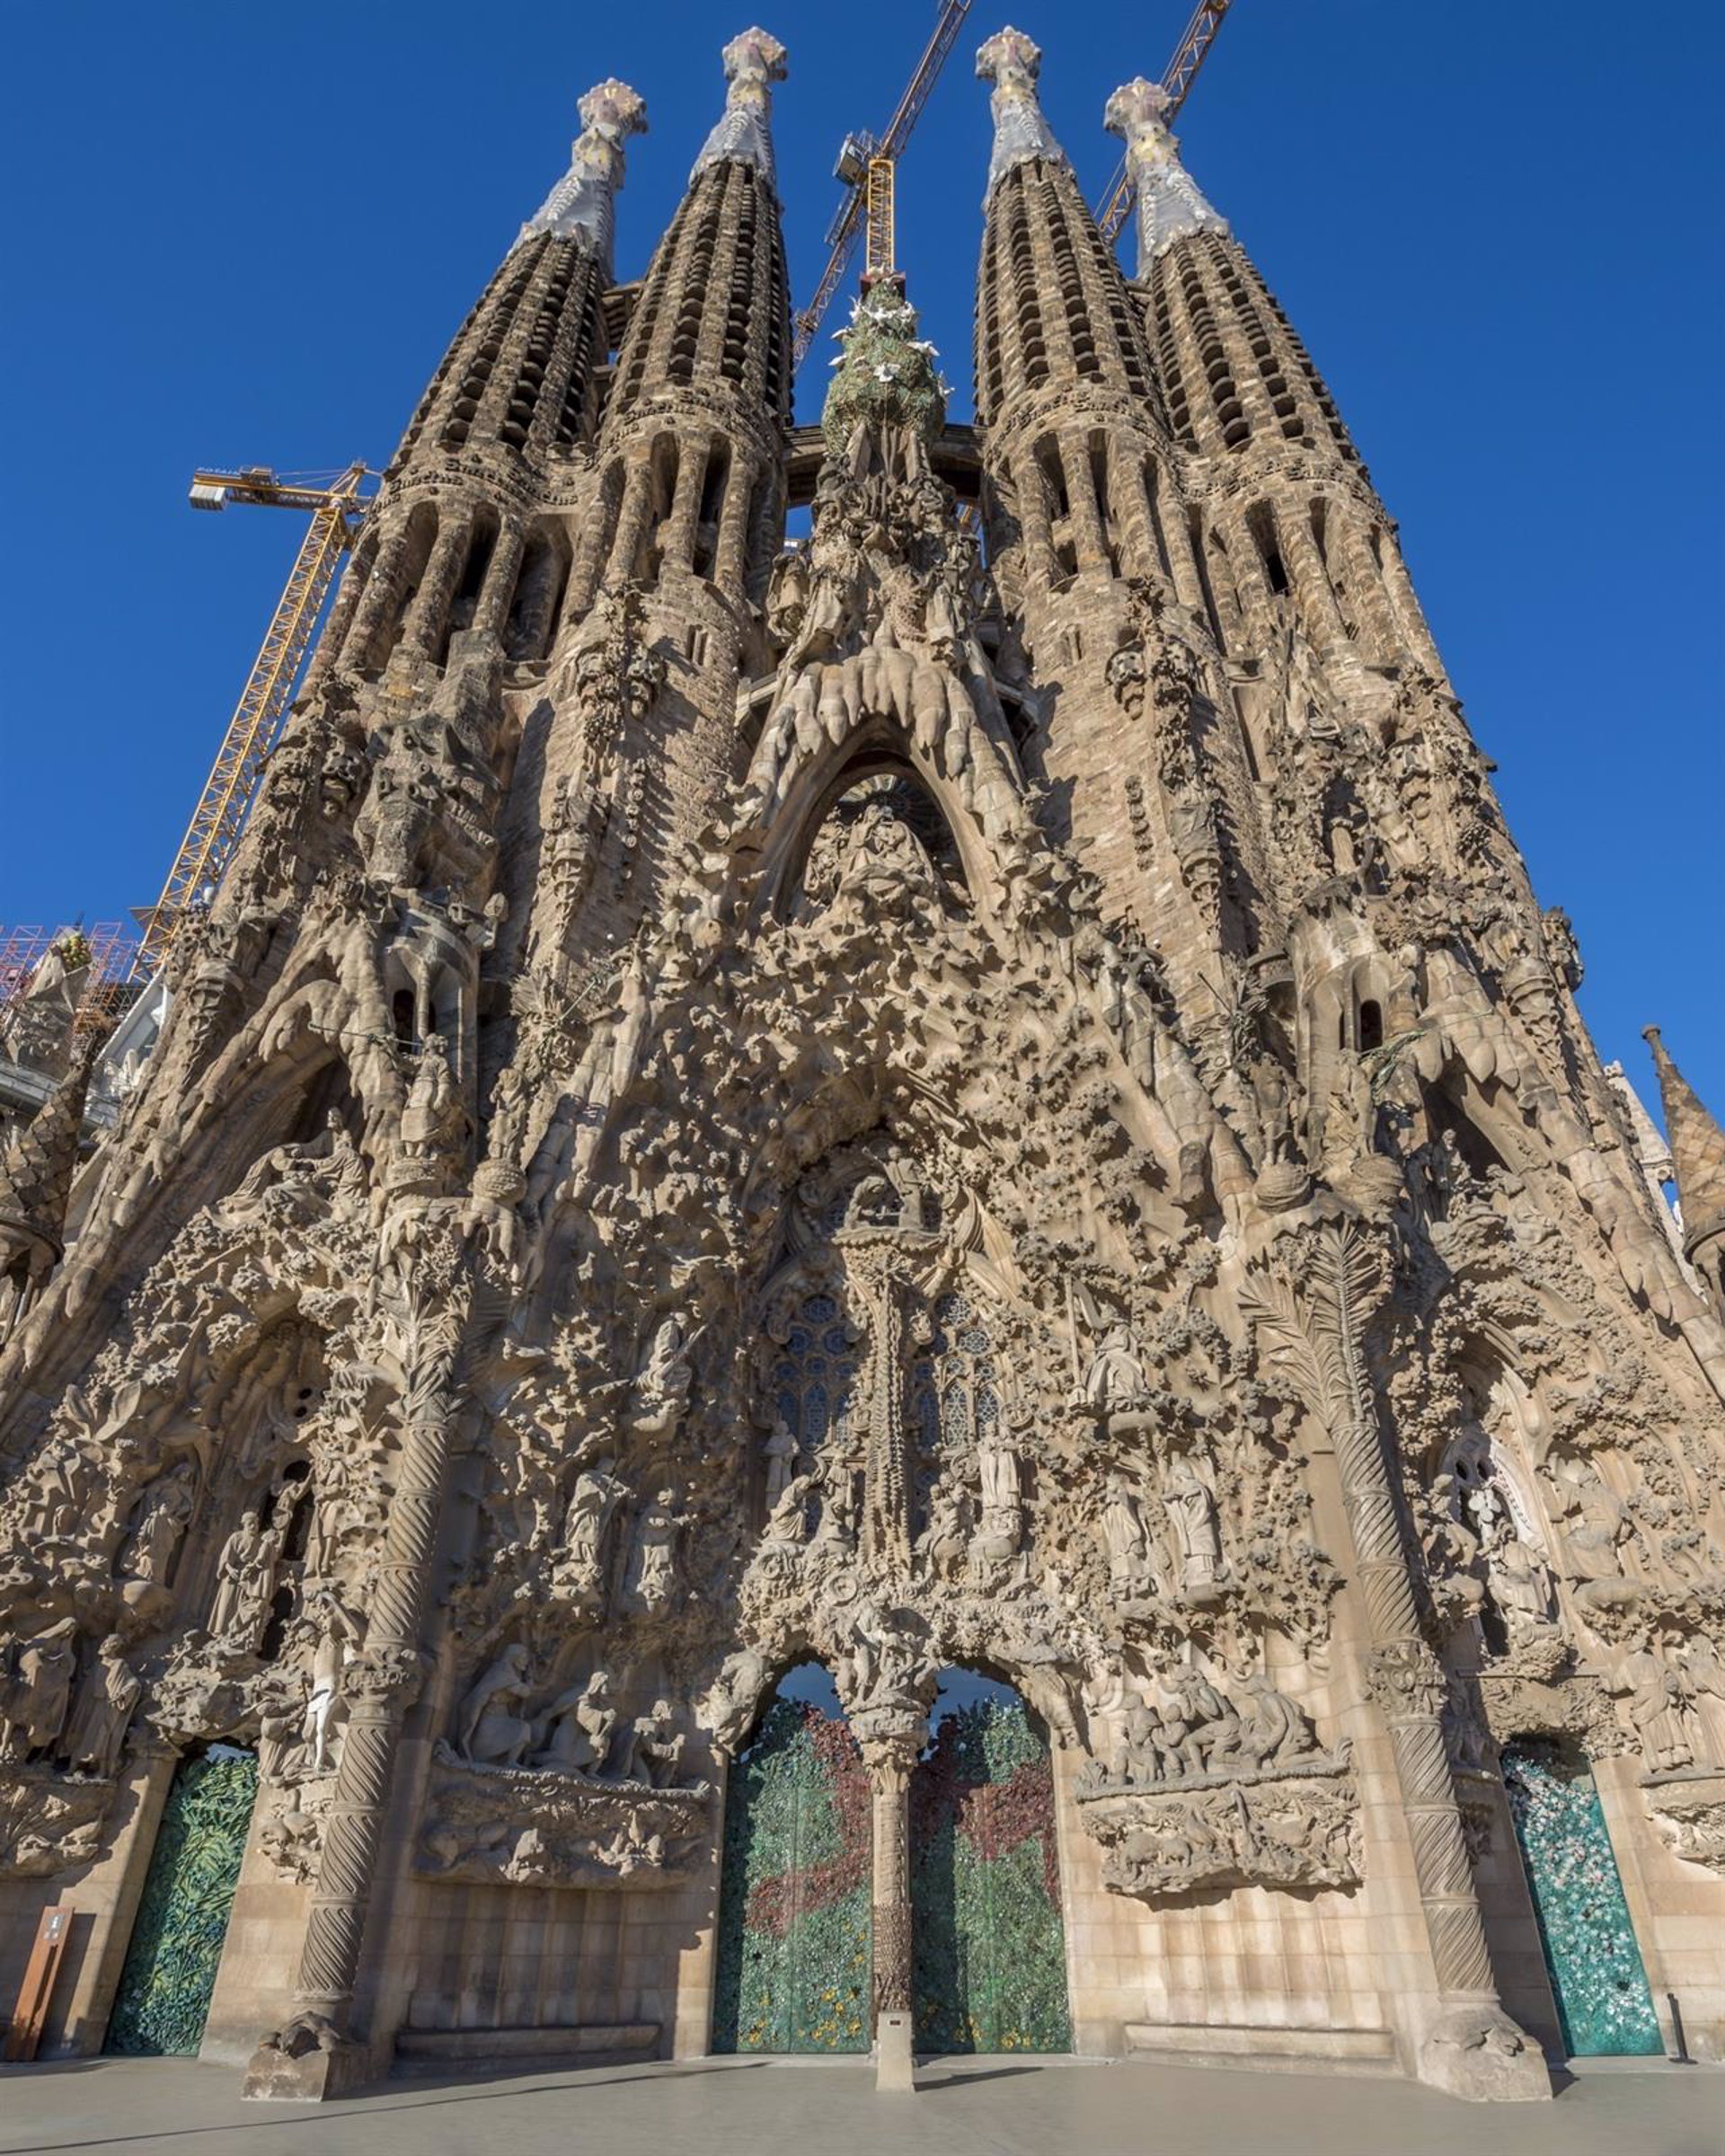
(1169, 203)
(36, 1175)
(754, 62)
(582, 205)
(1010, 61)
(1698, 1152)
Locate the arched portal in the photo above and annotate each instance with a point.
(1591, 1955)
(984, 1879)
(795, 1912)
(166, 1987)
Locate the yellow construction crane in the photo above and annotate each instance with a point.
(865, 165)
(1176, 79)
(336, 507)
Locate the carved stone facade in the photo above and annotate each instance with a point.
(895, 1102)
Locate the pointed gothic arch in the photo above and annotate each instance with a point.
(877, 753)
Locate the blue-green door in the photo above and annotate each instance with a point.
(1597, 1980)
(164, 1989)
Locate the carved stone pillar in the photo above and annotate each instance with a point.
(1311, 1325)
(317, 2054)
(427, 618)
(891, 1759)
(499, 588)
(886, 1495)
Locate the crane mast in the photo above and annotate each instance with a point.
(220, 815)
(865, 165)
(1176, 79)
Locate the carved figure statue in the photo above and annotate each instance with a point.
(38, 1694)
(434, 1119)
(592, 1505)
(1661, 1708)
(111, 1692)
(787, 1524)
(578, 1727)
(838, 1506)
(651, 1582)
(662, 1389)
(1117, 1371)
(1191, 1506)
(1520, 1586)
(1123, 1533)
(245, 1577)
(161, 1519)
(1273, 1732)
(779, 1452)
(488, 1731)
(655, 1749)
(324, 1706)
(1001, 1526)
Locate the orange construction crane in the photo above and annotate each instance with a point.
(1176, 79)
(337, 509)
(865, 165)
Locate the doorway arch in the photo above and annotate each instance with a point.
(990, 1957)
(796, 1892)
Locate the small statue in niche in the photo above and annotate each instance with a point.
(1123, 1534)
(1001, 1526)
(1191, 1506)
(838, 1506)
(163, 1515)
(787, 1524)
(488, 1733)
(779, 1455)
(245, 1579)
(579, 1725)
(655, 1749)
(32, 1710)
(651, 1580)
(587, 1521)
(1117, 1371)
(946, 1539)
(110, 1695)
(1520, 1585)
(434, 1119)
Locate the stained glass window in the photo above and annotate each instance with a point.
(814, 1375)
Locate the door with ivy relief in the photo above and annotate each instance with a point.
(990, 1955)
(795, 1907)
(166, 1987)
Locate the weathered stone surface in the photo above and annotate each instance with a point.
(901, 1100)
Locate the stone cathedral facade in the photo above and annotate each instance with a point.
(969, 1108)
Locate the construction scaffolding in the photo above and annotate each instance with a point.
(106, 953)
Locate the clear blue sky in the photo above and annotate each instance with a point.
(244, 233)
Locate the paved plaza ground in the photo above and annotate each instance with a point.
(985, 2108)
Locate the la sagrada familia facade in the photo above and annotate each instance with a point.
(979, 1091)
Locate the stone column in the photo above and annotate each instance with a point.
(498, 591)
(317, 2054)
(377, 603)
(427, 618)
(1085, 510)
(1311, 1323)
(1307, 573)
(890, 1758)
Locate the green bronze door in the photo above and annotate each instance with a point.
(990, 1946)
(176, 1946)
(795, 1927)
(1597, 1980)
